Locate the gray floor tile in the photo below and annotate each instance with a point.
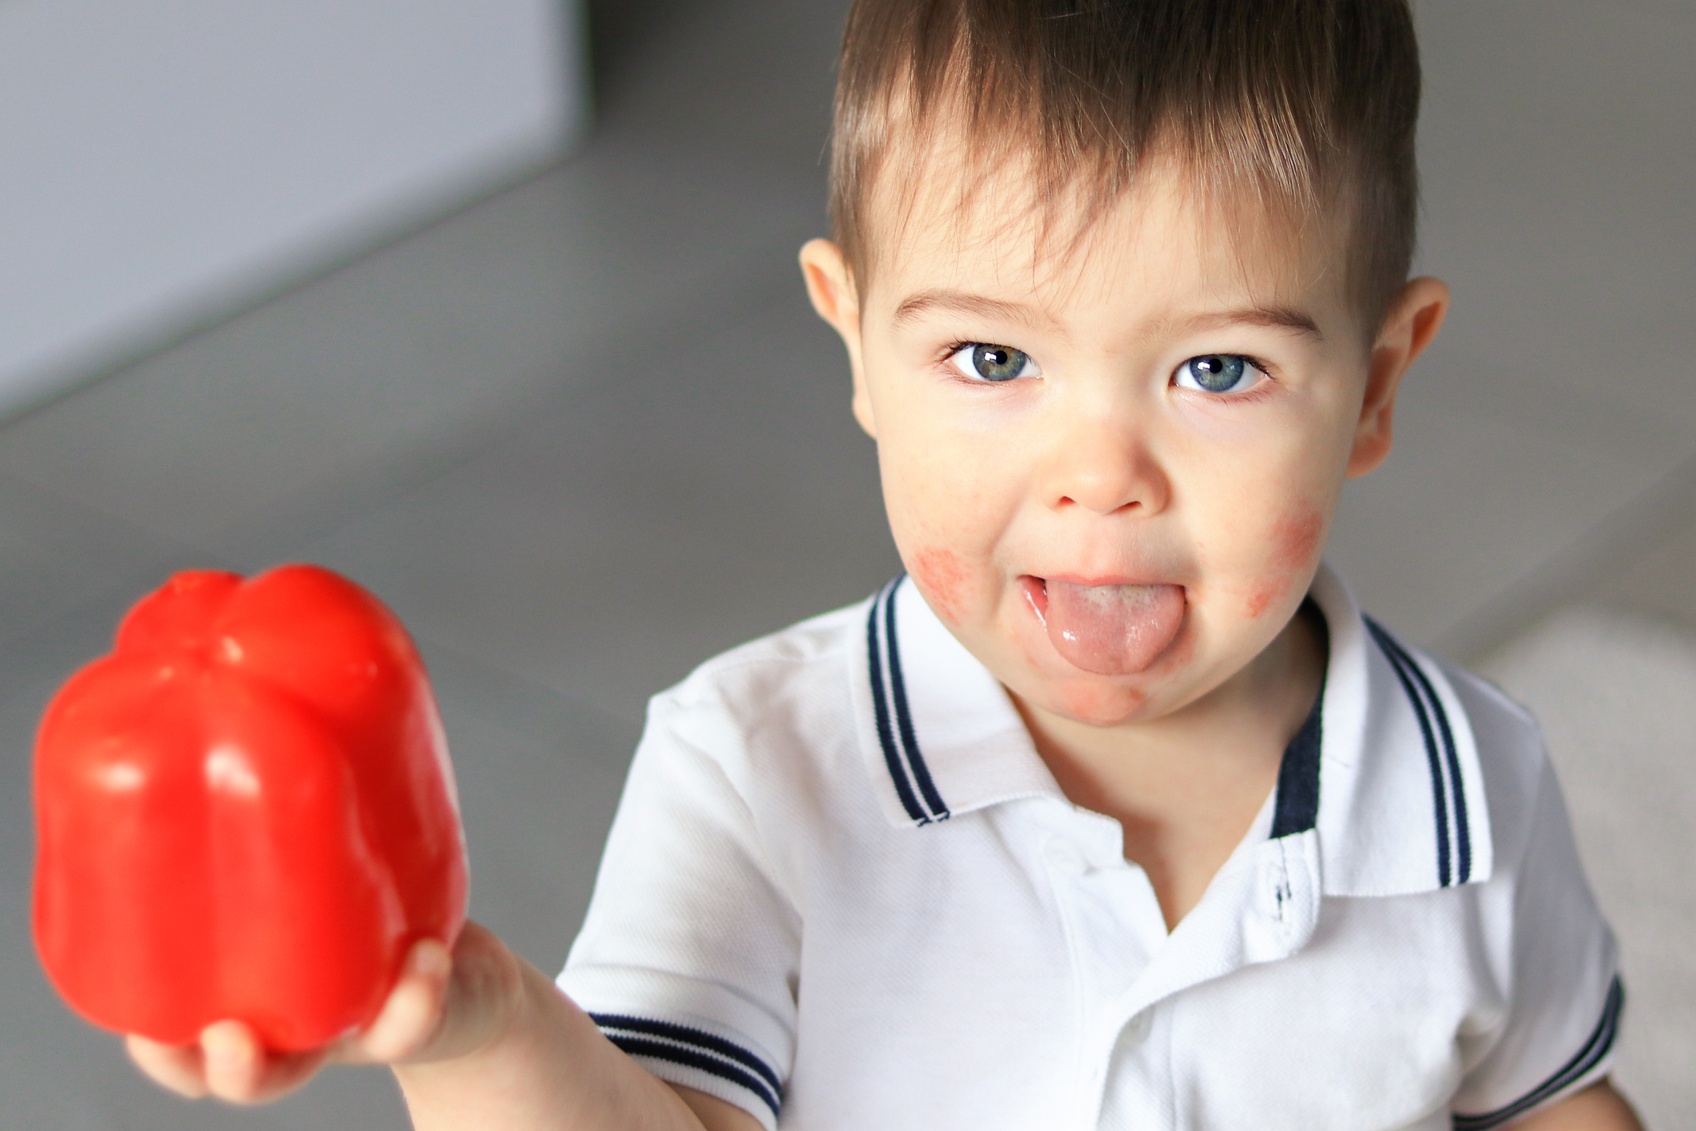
(56, 556)
(719, 492)
(538, 290)
(40, 578)
(1658, 581)
(539, 775)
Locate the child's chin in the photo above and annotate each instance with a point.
(1095, 700)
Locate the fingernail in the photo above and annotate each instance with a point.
(224, 1045)
(430, 959)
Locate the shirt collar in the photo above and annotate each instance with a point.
(1384, 777)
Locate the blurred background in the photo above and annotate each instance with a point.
(492, 305)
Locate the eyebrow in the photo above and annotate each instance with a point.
(1274, 317)
(917, 305)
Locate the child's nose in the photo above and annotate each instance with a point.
(1104, 464)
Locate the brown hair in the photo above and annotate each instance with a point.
(1306, 106)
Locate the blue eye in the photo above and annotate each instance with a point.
(983, 362)
(1218, 373)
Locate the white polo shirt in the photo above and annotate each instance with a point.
(843, 892)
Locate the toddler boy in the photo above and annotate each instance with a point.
(1114, 811)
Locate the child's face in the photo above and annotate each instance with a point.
(1112, 471)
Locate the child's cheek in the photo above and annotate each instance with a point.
(943, 579)
(1294, 541)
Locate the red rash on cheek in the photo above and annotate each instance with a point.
(940, 576)
(1261, 598)
(1295, 540)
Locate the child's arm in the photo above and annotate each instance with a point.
(525, 1058)
(1596, 1108)
(481, 1040)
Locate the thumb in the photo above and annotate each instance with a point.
(413, 1010)
(444, 1005)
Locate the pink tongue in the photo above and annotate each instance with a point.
(1113, 629)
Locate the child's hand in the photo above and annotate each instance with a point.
(441, 1006)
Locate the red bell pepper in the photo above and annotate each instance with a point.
(245, 811)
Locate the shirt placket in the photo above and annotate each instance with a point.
(1130, 972)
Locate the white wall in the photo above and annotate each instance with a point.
(167, 161)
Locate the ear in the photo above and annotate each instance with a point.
(830, 286)
(1412, 322)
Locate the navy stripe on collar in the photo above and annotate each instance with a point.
(895, 731)
(1587, 1058)
(1448, 790)
(693, 1048)
(1297, 806)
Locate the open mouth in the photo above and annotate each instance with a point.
(1107, 629)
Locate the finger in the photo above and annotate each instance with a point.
(239, 1069)
(413, 1010)
(485, 989)
(174, 1067)
(234, 1060)
(285, 1072)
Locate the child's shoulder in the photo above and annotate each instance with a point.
(1520, 793)
(805, 659)
(1519, 779)
(777, 714)
(1423, 754)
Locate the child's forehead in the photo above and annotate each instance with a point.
(947, 218)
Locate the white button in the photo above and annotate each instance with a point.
(1064, 858)
(1136, 1029)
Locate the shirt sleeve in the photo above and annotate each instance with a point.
(687, 958)
(1560, 977)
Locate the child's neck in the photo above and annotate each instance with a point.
(1187, 787)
